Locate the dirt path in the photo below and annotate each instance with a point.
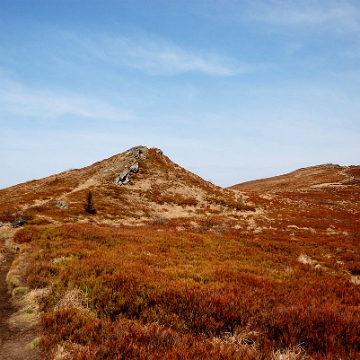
(14, 336)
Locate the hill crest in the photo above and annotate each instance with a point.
(319, 176)
(140, 183)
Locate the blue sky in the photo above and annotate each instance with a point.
(230, 90)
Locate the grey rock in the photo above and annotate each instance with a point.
(139, 154)
(134, 167)
(61, 204)
(333, 166)
(159, 151)
(18, 223)
(123, 177)
(126, 181)
(123, 174)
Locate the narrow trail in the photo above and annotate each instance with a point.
(14, 337)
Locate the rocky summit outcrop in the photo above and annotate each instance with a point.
(131, 164)
(138, 152)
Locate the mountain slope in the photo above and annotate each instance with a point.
(140, 183)
(303, 179)
(321, 199)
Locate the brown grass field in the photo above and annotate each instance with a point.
(174, 267)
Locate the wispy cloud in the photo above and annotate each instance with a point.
(17, 99)
(332, 15)
(305, 12)
(154, 55)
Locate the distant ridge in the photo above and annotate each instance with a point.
(305, 178)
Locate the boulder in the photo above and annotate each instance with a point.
(126, 180)
(139, 154)
(123, 177)
(159, 151)
(61, 204)
(18, 223)
(134, 168)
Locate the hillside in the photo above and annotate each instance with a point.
(328, 175)
(170, 266)
(321, 199)
(139, 184)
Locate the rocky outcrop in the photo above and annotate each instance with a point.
(138, 152)
(123, 177)
(134, 168)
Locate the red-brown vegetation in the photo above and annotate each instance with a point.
(190, 288)
(202, 272)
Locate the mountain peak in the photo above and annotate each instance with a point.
(138, 184)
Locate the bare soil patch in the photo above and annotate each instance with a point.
(15, 337)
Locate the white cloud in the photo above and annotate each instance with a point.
(305, 12)
(16, 99)
(155, 56)
(340, 16)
